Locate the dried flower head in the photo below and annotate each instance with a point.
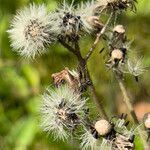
(71, 78)
(103, 127)
(117, 4)
(89, 16)
(32, 30)
(61, 111)
(123, 137)
(117, 54)
(122, 142)
(67, 21)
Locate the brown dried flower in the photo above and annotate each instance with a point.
(66, 76)
(122, 142)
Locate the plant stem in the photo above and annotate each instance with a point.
(127, 100)
(82, 68)
(96, 99)
(86, 76)
(98, 38)
(132, 112)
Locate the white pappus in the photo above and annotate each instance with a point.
(73, 20)
(32, 30)
(88, 142)
(69, 24)
(61, 110)
(136, 67)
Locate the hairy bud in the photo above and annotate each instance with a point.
(103, 127)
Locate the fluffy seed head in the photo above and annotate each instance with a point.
(119, 29)
(61, 110)
(103, 127)
(68, 22)
(73, 21)
(135, 67)
(31, 31)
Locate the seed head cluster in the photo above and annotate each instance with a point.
(31, 31)
(61, 110)
(33, 28)
(111, 135)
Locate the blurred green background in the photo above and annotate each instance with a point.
(22, 82)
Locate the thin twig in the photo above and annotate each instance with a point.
(98, 38)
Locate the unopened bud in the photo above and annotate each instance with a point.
(119, 29)
(103, 127)
(117, 54)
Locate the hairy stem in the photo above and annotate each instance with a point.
(132, 112)
(98, 38)
(127, 100)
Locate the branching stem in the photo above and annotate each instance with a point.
(82, 67)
